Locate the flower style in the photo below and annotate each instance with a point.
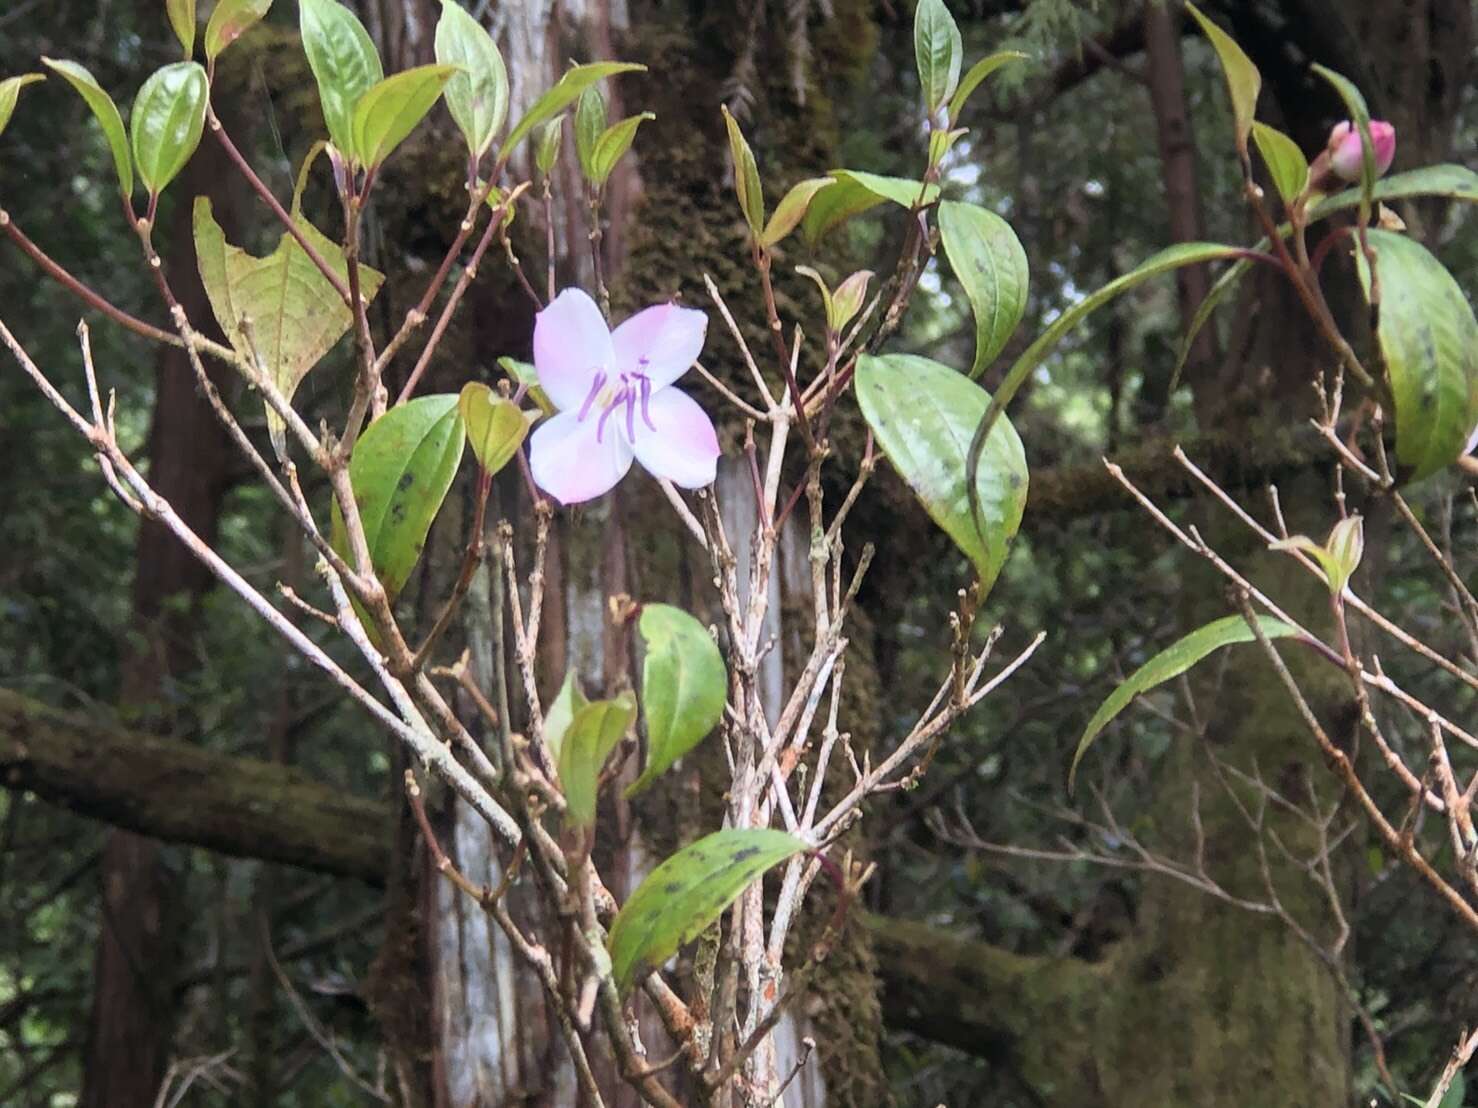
(1345, 155)
(615, 398)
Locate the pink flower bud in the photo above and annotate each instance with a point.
(1345, 156)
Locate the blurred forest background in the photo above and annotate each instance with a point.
(1018, 948)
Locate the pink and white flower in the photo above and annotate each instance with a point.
(615, 398)
(1345, 155)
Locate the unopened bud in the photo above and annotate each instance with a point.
(1346, 156)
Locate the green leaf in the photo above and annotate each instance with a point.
(855, 192)
(10, 91)
(1455, 1092)
(746, 176)
(938, 52)
(575, 81)
(344, 63)
(612, 145)
(401, 469)
(1286, 163)
(1454, 182)
(387, 114)
(923, 415)
(686, 893)
(106, 113)
(182, 19)
(791, 208)
(1429, 341)
(1172, 662)
(278, 311)
(590, 121)
(525, 374)
(496, 427)
(1360, 115)
(546, 150)
(593, 733)
(683, 687)
(1243, 79)
(477, 96)
(230, 20)
(990, 263)
(1339, 557)
(978, 73)
(167, 121)
(561, 714)
(847, 299)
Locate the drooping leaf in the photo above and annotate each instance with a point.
(1172, 662)
(746, 176)
(590, 121)
(990, 263)
(688, 892)
(1360, 117)
(106, 113)
(344, 63)
(593, 733)
(496, 427)
(385, 116)
(401, 469)
(855, 192)
(923, 415)
(683, 687)
(977, 74)
(1429, 341)
(167, 121)
(10, 91)
(561, 714)
(791, 208)
(477, 96)
(568, 89)
(612, 145)
(278, 311)
(1243, 79)
(230, 20)
(1454, 182)
(1286, 163)
(939, 52)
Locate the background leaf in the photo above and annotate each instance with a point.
(683, 687)
(10, 91)
(106, 113)
(990, 263)
(477, 96)
(923, 415)
(401, 469)
(344, 63)
(594, 731)
(1172, 662)
(569, 87)
(230, 20)
(939, 52)
(686, 893)
(294, 314)
(387, 114)
(167, 121)
(1429, 341)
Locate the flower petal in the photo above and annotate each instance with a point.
(570, 464)
(662, 342)
(571, 345)
(684, 446)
